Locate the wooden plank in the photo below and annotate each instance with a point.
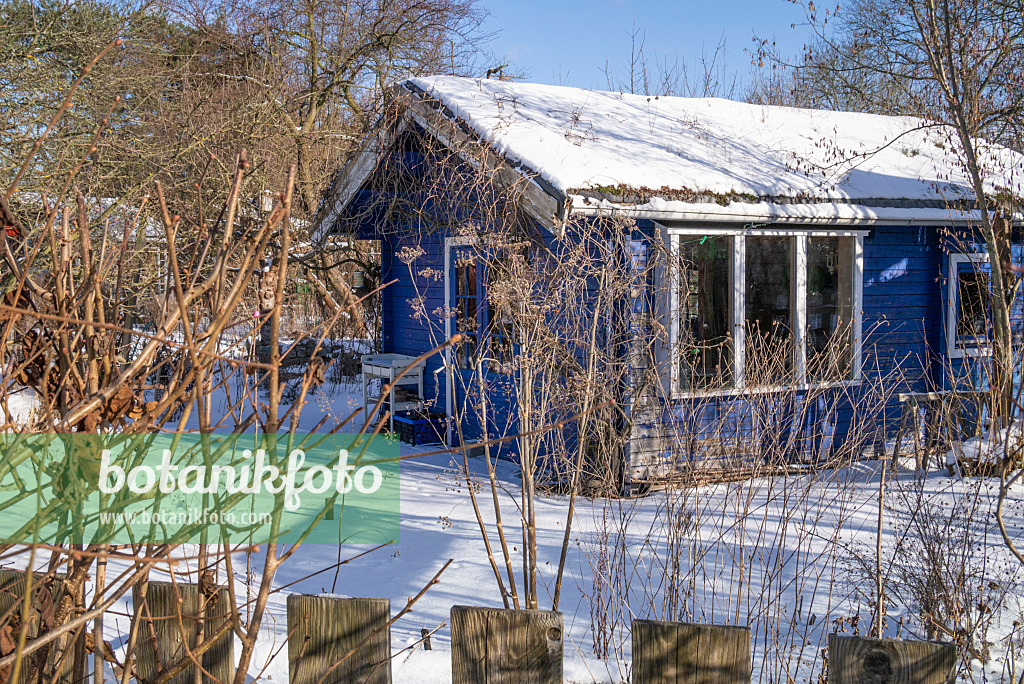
(855, 660)
(683, 653)
(169, 623)
(469, 644)
(324, 630)
(655, 645)
(723, 655)
(12, 591)
(496, 646)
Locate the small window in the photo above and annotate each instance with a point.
(482, 314)
(500, 332)
(969, 303)
(765, 308)
(972, 308)
(467, 303)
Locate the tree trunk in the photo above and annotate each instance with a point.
(1001, 380)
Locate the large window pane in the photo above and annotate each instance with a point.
(768, 310)
(705, 316)
(829, 308)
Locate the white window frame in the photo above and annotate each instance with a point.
(450, 243)
(738, 301)
(954, 351)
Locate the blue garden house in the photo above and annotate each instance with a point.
(813, 265)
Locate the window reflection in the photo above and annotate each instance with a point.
(705, 317)
(829, 308)
(768, 310)
(972, 308)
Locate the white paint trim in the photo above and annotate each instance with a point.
(741, 391)
(739, 330)
(799, 308)
(857, 303)
(952, 296)
(757, 230)
(868, 216)
(661, 304)
(799, 295)
(673, 316)
(449, 359)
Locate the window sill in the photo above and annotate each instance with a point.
(774, 389)
(968, 352)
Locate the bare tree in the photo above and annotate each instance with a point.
(958, 64)
(651, 74)
(322, 65)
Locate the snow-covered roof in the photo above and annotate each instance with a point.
(707, 158)
(586, 142)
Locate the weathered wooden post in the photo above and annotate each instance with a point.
(169, 622)
(346, 639)
(12, 591)
(855, 660)
(683, 653)
(497, 646)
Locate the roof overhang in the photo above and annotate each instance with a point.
(806, 213)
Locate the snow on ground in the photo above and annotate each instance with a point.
(579, 139)
(987, 448)
(795, 589)
(790, 557)
(23, 405)
(336, 399)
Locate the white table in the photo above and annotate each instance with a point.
(386, 367)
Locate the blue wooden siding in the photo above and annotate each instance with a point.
(903, 303)
(403, 331)
(414, 297)
(904, 297)
(903, 339)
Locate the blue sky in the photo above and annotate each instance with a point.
(569, 42)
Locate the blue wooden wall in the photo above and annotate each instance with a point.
(403, 332)
(903, 322)
(902, 343)
(903, 334)
(904, 297)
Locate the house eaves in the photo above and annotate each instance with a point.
(779, 211)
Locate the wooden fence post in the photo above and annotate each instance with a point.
(498, 646)
(855, 660)
(682, 653)
(322, 631)
(170, 610)
(12, 591)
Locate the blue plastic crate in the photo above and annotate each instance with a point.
(419, 431)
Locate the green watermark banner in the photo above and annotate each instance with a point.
(198, 488)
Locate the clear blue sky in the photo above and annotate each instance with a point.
(568, 42)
